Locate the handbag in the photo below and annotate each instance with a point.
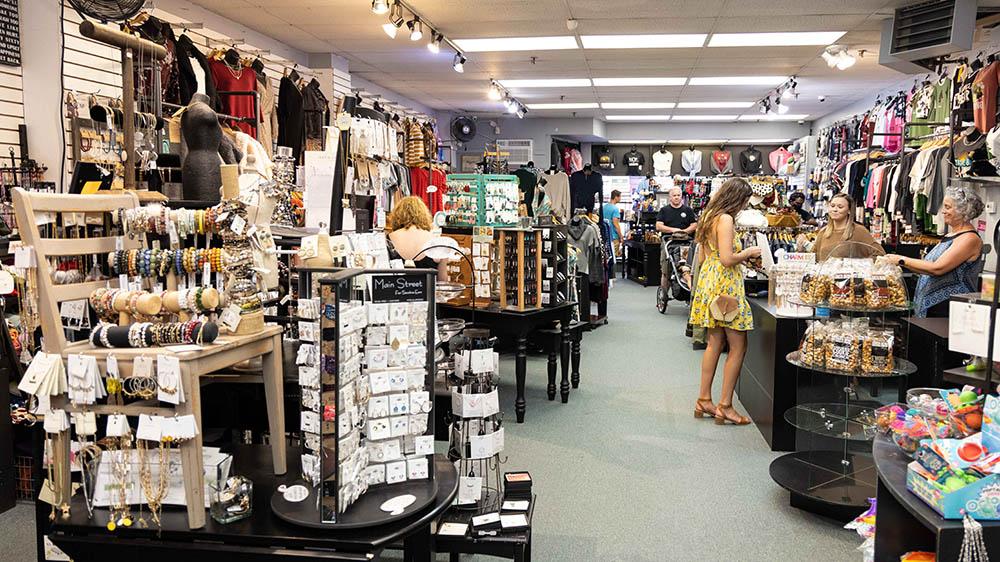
(724, 308)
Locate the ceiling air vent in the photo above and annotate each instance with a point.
(926, 30)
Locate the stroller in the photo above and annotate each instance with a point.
(677, 253)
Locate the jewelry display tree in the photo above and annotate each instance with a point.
(284, 176)
(367, 409)
(848, 357)
(476, 436)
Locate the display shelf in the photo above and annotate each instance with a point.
(481, 200)
(902, 368)
(892, 309)
(555, 273)
(521, 268)
(959, 375)
(827, 482)
(845, 421)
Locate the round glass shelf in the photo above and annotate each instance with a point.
(843, 421)
(902, 368)
(860, 310)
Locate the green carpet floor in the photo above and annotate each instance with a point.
(624, 472)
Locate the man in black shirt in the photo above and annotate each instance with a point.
(674, 217)
(796, 200)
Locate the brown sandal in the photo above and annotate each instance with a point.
(701, 411)
(721, 418)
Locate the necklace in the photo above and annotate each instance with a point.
(236, 75)
(120, 512)
(154, 498)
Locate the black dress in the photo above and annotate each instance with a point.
(290, 115)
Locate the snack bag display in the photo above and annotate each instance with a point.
(876, 351)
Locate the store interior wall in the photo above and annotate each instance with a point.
(42, 100)
(618, 152)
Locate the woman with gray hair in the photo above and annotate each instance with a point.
(953, 266)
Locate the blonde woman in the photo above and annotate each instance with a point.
(409, 226)
(721, 274)
(842, 228)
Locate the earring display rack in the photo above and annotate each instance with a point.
(521, 267)
(367, 412)
(555, 256)
(481, 200)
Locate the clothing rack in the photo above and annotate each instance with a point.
(221, 115)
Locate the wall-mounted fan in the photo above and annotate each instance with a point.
(463, 129)
(108, 10)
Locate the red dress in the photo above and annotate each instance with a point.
(242, 80)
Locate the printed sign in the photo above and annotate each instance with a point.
(399, 288)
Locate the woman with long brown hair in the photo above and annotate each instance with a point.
(721, 278)
(842, 228)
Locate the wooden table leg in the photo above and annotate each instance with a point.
(417, 547)
(192, 462)
(564, 382)
(576, 358)
(275, 397)
(520, 372)
(554, 345)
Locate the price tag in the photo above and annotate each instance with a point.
(6, 283)
(117, 425)
(72, 310)
(175, 240)
(149, 428)
(344, 121)
(112, 367)
(24, 257)
(119, 243)
(230, 317)
(123, 282)
(206, 273)
(238, 224)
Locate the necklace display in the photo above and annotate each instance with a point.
(120, 450)
(154, 496)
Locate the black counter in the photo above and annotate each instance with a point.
(767, 385)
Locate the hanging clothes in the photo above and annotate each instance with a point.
(722, 162)
(159, 32)
(557, 188)
(268, 116)
(751, 161)
(316, 110)
(585, 190)
(241, 102)
(291, 118)
(194, 74)
(422, 178)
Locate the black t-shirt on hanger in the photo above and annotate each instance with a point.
(634, 160)
(751, 161)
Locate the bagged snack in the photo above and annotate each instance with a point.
(885, 288)
(841, 349)
(876, 352)
(811, 352)
(848, 283)
(815, 288)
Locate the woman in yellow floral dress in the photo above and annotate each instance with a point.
(721, 273)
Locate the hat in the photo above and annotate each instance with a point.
(969, 140)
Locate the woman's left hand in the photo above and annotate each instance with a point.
(893, 258)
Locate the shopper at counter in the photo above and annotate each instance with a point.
(721, 278)
(953, 266)
(411, 238)
(842, 228)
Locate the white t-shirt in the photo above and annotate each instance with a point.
(662, 162)
(691, 161)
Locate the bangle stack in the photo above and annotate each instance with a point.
(158, 263)
(156, 219)
(147, 334)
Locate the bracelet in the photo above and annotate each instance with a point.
(197, 299)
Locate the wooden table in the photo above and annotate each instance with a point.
(503, 322)
(259, 538)
(906, 523)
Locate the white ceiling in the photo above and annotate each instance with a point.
(349, 29)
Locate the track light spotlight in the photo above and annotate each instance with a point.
(459, 64)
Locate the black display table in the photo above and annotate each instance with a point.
(906, 523)
(261, 537)
(516, 546)
(642, 262)
(767, 385)
(502, 322)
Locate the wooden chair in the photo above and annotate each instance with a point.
(233, 349)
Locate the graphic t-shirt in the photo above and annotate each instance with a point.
(984, 97)
(634, 161)
(604, 161)
(679, 217)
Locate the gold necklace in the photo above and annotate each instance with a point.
(153, 499)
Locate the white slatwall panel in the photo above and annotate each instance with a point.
(92, 67)
(11, 112)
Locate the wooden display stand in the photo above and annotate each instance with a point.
(225, 352)
(524, 262)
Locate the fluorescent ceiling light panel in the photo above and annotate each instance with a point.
(782, 39)
(697, 141)
(663, 41)
(758, 141)
(737, 80)
(637, 105)
(639, 81)
(547, 83)
(773, 117)
(640, 141)
(562, 106)
(714, 104)
(637, 117)
(517, 44)
(704, 118)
